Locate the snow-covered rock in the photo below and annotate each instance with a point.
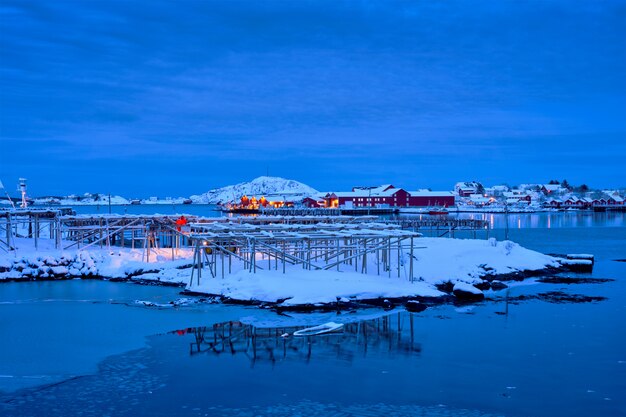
(464, 291)
(258, 187)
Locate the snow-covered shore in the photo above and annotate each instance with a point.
(437, 262)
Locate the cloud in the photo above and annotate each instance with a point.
(362, 83)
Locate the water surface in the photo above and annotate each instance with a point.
(531, 357)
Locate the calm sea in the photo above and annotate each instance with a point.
(87, 348)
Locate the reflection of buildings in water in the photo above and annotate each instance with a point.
(392, 334)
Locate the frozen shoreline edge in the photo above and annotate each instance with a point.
(376, 302)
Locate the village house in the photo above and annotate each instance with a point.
(553, 203)
(387, 196)
(466, 189)
(553, 189)
(496, 190)
(517, 197)
(479, 200)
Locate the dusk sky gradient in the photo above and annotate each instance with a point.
(172, 98)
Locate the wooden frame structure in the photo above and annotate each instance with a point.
(314, 242)
(147, 232)
(30, 223)
(326, 246)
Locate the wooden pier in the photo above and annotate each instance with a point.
(317, 211)
(296, 219)
(442, 226)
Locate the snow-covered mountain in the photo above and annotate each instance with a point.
(261, 186)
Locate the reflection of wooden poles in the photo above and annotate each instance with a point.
(384, 333)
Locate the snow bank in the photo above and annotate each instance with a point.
(436, 260)
(48, 263)
(461, 261)
(469, 260)
(311, 287)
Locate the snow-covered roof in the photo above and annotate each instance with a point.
(367, 193)
(499, 188)
(514, 194)
(553, 187)
(527, 186)
(421, 193)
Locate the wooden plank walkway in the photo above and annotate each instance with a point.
(442, 226)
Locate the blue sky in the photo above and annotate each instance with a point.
(174, 98)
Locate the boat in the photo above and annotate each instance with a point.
(330, 327)
(187, 201)
(438, 211)
(135, 202)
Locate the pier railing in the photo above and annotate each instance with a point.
(442, 226)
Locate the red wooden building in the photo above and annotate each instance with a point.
(388, 195)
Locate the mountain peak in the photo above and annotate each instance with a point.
(259, 186)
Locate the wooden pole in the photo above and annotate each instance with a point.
(411, 262)
(399, 249)
(253, 256)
